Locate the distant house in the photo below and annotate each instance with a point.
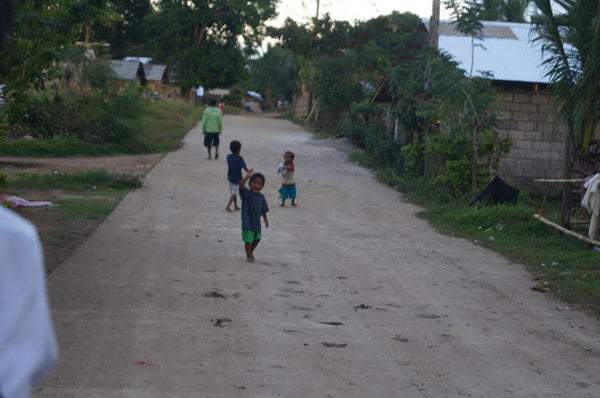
(128, 70)
(527, 114)
(157, 78)
(253, 102)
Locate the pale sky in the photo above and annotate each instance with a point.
(351, 10)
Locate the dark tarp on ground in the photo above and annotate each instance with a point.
(497, 192)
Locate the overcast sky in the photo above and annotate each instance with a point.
(351, 10)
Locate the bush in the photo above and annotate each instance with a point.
(3, 180)
(354, 131)
(387, 153)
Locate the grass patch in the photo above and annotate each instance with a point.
(90, 209)
(361, 158)
(93, 181)
(565, 265)
(389, 177)
(159, 129)
(568, 267)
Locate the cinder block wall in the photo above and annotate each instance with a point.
(527, 116)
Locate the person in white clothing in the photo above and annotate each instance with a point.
(28, 347)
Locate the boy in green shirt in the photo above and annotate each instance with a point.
(212, 124)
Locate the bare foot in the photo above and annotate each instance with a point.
(250, 259)
(217, 155)
(209, 157)
(282, 205)
(229, 210)
(237, 209)
(293, 204)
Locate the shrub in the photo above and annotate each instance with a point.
(3, 180)
(387, 153)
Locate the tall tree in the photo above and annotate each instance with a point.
(503, 10)
(275, 74)
(42, 30)
(126, 34)
(200, 39)
(466, 18)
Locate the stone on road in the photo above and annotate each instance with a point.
(351, 294)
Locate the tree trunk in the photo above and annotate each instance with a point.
(434, 25)
(565, 211)
(475, 156)
(495, 161)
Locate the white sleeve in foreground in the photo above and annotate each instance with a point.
(28, 347)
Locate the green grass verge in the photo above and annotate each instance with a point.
(92, 182)
(160, 128)
(568, 267)
(361, 158)
(91, 209)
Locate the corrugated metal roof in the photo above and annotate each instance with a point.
(124, 69)
(154, 72)
(506, 51)
(144, 60)
(488, 31)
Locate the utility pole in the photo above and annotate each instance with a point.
(434, 24)
(318, 3)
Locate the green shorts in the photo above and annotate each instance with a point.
(250, 236)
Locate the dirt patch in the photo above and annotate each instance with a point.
(61, 235)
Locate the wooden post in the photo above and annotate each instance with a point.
(434, 25)
(565, 211)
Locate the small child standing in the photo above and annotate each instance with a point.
(288, 185)
(254, 205)
(235, 164)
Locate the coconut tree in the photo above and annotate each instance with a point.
(570, 42)
(503, 10)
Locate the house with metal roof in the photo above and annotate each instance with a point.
(527, 114)
(128, 70)
(157, 77)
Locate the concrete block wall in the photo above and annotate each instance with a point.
(527, 117)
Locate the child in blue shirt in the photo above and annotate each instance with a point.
(254, 205)
(235, 164)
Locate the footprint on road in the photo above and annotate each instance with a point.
(220, 322)
(215, 294)
(334, 345)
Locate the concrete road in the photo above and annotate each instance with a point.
(351, 295)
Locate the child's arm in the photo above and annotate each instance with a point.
(245, 179)
(266, 220)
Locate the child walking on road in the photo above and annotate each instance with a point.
(235, 164)
(254, 205)
(212, 125)
(288, 185)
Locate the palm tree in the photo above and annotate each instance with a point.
(571, 48)
(514, 10)
(504, 10)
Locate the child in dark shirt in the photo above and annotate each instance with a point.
(235, 164)
(254, 205)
